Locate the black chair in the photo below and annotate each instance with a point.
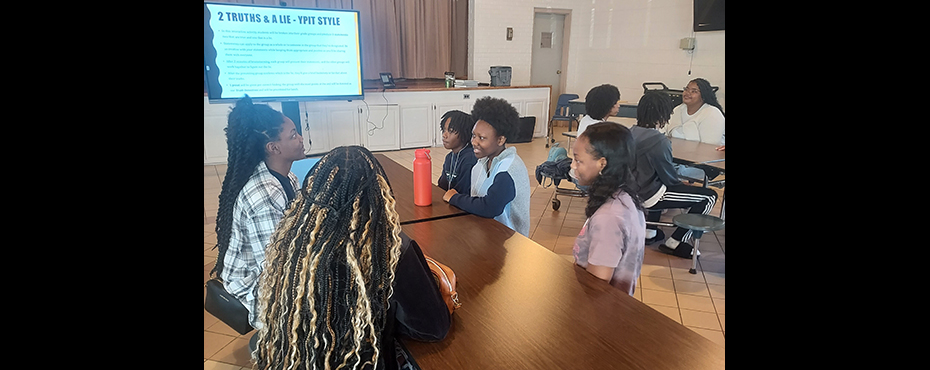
(563, 112)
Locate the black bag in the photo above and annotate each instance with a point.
(226, 307)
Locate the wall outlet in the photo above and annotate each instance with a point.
(467, 96)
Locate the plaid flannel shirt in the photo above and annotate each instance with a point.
(259, 207)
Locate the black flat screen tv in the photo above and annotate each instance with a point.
(281, 53)
(709, 15)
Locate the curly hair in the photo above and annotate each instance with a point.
(614, 142)
(249, 128)
(707, 93)
(460, 123)
(654, 108)
(329, 270)
(600, 100)
(497, 112)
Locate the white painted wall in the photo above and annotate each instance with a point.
(620, 42)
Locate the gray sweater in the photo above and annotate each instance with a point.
(653, 163)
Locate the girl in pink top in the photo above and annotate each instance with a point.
(611, 243)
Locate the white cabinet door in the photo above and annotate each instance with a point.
(315, 130)
(342, 124)
(540, 109)
(417, 126)
(379, 127)
(439, 110)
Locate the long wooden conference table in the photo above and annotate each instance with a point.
(524, 307)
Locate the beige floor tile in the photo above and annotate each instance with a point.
(715, 336)
(214, 365)
(670, 312)
(696, 303)
(683, 275)
(692, 288)
(659, 297)
(656, 271)
(720, 305)
(717, 291)
(236, 352)
(699, 319)
(656, 283)
(213, 343)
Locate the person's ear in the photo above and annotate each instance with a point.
(501, 140)
(601, 163)
(272, 148)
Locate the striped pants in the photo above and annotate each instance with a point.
(696, 199)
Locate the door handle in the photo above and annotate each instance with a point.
(558, 72)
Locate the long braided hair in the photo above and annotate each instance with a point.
(329, 270)
(614, 142)
(250, 127)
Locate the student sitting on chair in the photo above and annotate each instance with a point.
(656, 178)
(263, 143)
(600, 103)
(341, 278)
(456, 136)
(500, 185)
(611, 243)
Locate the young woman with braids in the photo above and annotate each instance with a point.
(340, 278)
(612, 241)
(262, 144)
(656, 178)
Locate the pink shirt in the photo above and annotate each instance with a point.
(615, 236)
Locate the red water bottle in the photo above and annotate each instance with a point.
(422, 178)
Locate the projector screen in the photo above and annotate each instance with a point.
(281, 53)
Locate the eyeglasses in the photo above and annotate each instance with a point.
(693, 91)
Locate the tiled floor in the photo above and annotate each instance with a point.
(696, 301)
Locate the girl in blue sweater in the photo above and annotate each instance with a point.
(500, 185)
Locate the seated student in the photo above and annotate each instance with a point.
(341, 278)
(656, 178)
(263, 143)
(601, 102)
(699, 117)
(500, 185)
(456, 136)
(611, 243)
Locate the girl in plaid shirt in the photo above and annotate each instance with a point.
(263, 143)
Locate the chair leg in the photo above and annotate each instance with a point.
(694, 256)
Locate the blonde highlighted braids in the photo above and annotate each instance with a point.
(329, 269)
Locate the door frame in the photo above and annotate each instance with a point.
(566, 39)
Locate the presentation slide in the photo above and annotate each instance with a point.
(271, 52)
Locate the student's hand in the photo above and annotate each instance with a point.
(721, 148)
(448, 195)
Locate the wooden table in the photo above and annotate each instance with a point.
(524, 307)
(401, 180)
(688, 152)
